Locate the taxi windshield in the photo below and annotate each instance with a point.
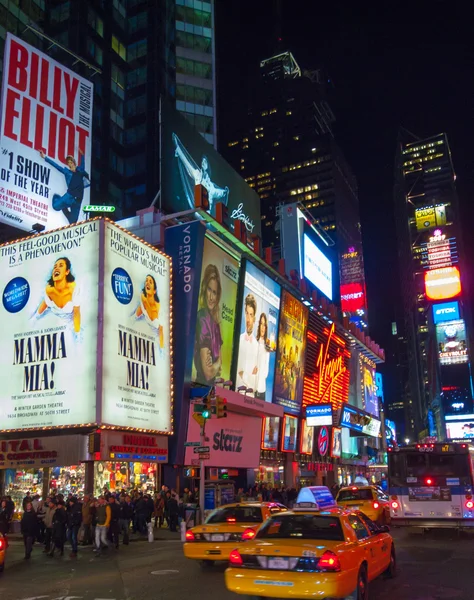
(357, 494)
(236, 514)
(305, 527)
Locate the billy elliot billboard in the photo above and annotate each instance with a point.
(289, 370)
(45, 136)
(74, 355)
(327, 374)
(188, 161)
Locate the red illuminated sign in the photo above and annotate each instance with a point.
(327, 365)
(441, 284)
(352, 297)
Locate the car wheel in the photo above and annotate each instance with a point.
(207, 563)
(362, 590)
(391, 570)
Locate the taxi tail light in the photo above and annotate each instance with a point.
(329, 562)
(235, 559)
(469, 505)
(376, 505)
(395, 505)
(249, 534)
(190, 536)
(2, 544)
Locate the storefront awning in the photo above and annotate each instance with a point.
(247, 405)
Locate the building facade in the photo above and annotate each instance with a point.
(436, 319)
(288, 153)
(134, 52)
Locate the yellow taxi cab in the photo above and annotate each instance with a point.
(226, 526)
(367, 498)
(3, 551)
(315, 550)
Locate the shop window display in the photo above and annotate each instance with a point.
(18, 483)
(67, 480)
(117, 476)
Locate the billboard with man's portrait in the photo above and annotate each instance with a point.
(258, 333)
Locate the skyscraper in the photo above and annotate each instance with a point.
(133, 51)
(436, 319)
(287, 152)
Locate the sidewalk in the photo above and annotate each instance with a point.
(160, 535)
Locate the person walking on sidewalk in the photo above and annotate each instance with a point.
(48, 525)
(4, 520)
(126, 516)
(114, 521)
(59, 529)
(74, 519)
(103, 521)
(87, 520)
(29, 528)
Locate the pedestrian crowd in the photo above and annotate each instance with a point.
(266, 493)
(100, 522)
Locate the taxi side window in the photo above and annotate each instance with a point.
(359, 528)
(373, 527)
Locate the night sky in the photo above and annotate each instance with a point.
(410, 66)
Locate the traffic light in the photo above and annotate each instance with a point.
(206, 412)
(221, 407)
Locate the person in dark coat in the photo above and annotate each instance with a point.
(29, 528)
(59, 529)
(74, 520)
(173, 511)
(114, 521)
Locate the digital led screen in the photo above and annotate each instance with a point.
(307, 438)
(442, 284)
(460, 427)
(452, 343)
(316, 267)
(270, 432)
(336, 442)
(448, 311)
(352, 297)
(360, 422)
(430, 216)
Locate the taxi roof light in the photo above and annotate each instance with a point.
(190, 536)
(329, 562)
(235, 559)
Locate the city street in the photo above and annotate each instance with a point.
(431, 567)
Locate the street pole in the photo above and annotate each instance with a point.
(202, 472)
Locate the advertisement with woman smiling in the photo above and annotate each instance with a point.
(49, 286)
(216, 315)
(136, 385)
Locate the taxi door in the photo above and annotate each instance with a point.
(369, 544)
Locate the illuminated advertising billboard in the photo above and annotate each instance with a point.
(442, 284)
(290, 434)
(360, 422)
(289, 374)
(318, 415)
(459, 427)
(336, 442)
(137, 333)
(188, 160)
(258, 333)
(448, 311)
(390, 433)
(368, 386)
(76, 352)
(452, 344)
(430, 216)
(327, 373)
(439, 251)
(46, 125)
(316, 267)
(352, 297)
(307, 438)
(216, 315)
(270, 432)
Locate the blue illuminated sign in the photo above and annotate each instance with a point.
(319, 415)
(448, 311)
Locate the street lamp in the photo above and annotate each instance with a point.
(407, 441)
